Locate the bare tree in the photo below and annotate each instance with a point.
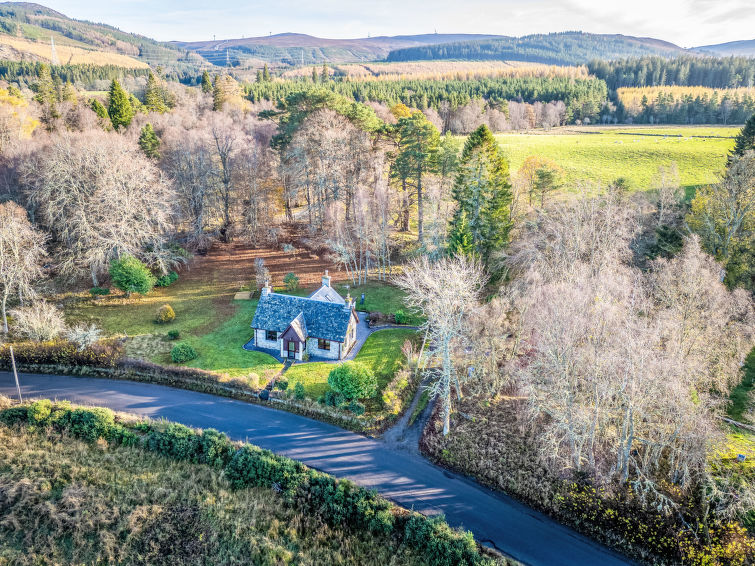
(39, 321)
(21, 252)
(668, 185)
(445, 292)
(100, 197)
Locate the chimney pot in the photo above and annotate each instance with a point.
(266, 290)
(326, 279)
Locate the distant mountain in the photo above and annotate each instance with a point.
(744, 48)
(27, 31)
(298, 48)
(565, 48)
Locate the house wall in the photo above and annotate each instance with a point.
(313, 350)
(269, 344)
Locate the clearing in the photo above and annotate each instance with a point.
(600, 154)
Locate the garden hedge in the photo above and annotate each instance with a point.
(338, 502)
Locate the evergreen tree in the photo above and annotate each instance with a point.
(266, 74)
(418, 149)
(206, 83)
(218, 94)
(149, 142)
(314, 75)
(546, 181)
(46, 96)
(482, 192)
(153, 95)
(324, 74)
(99, 109)
(119, 108)
(745, 139)
(69, 93)
(260, 78)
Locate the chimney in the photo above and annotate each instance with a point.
(326, 279)
(349, 301)
(266, 290)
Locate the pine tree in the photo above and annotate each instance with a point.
(482, 192)
(46, 96)
(260, 78)
(119, 108)
(324, 74)
(314, 75)
(69, 93)
(206, 83)
(99, 109)
(218, 94)
(745, 139)
(418, 143)
(149, 142)
(266, 74)
(153, 96)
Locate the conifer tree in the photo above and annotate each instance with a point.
(314, 75)
(206, 83)
(46, 96)
(218, 94)
(99, 109)
(265, 73)
(69, 93)
(119, 108)
(153, 96)
(324, 74)
(149, 142)
(418, 143)
(482, 192)
(260, 78)
(745, 139)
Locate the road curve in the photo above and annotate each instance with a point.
(407, 479)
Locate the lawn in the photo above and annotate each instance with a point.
(381, 352)
(601, 154)
(380, 296)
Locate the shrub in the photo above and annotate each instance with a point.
(400, 317)
(165, 314)
(131, 276)
(281, 383)
(14, 416)
(333, 399)
(106, 353)
(355, 407)
(167, 279)
(99, 291)
(215, 449)
(176, 441)
(439, 543)
(84, 336)
(182, 353)
(39, 322)
(291, 281)
(299, 392)
(89, 424)
(353, 380)
(39, 412)
(174, 334)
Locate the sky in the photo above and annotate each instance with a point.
(687, 23)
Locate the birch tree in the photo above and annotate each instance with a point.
(446, 292)
(21, 253)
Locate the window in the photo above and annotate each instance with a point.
(323, 344)
(271, 335)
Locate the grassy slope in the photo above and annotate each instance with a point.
(601, 154)
(381, 352)
(67, 502)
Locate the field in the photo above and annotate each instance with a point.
(600, 154)
(67, 54)
(66, 502)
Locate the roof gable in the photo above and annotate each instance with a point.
(297, 329)
(328, 294)
(321, 319)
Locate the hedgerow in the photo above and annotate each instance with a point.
(336, 501)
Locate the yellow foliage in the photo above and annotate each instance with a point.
(70, 54)
(15, 110)
(632, 97)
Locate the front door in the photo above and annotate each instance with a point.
(292, 349)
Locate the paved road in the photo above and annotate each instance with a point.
(407, 479)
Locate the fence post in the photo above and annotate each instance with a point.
(15, 374)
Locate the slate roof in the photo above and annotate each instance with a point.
(299, 327)
(327, 293)
(328, 321)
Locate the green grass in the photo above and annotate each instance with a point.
(741, 396)
(380, 296)
(381, 353)
(601, 154)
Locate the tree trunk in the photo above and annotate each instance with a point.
(5, 314)
(420, 213)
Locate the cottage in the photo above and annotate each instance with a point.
(323, 325)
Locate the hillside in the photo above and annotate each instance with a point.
(298, 48)
(27, 30)
(568, 48)
(744, 48)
